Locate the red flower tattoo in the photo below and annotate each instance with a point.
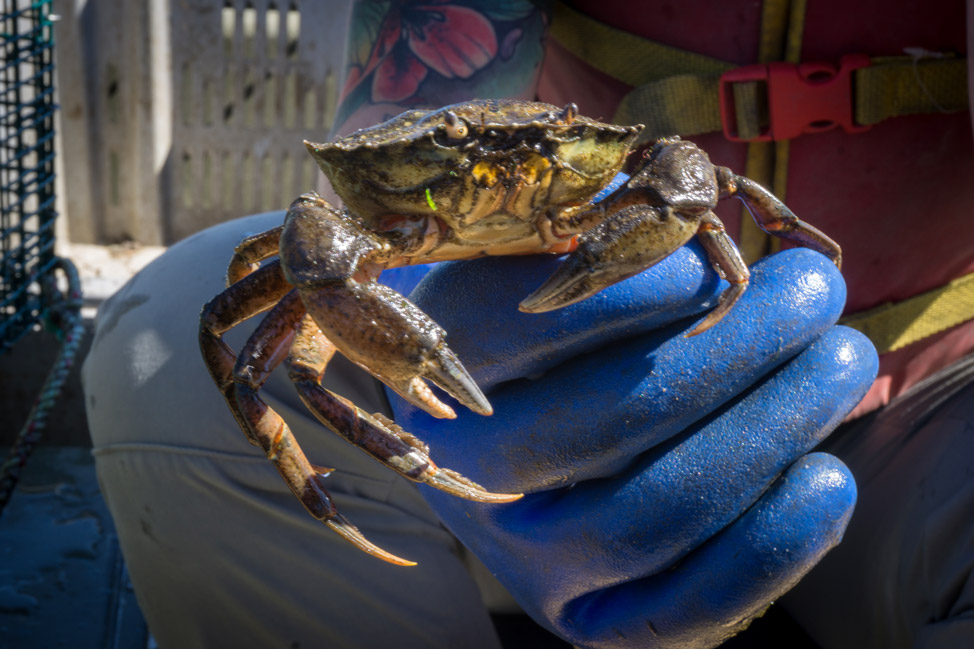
(452, 40)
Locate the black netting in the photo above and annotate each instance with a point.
(26, 165)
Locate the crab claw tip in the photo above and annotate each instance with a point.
(448, 373)
(350, 533)
(564, 287)
(453, 483)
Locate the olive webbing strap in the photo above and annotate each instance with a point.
(782, 26)
(897, 324)
(923, 82)
(677, 92)
(627, 57)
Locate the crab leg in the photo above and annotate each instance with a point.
(253, 294)
(374, 433)
(774, 217)
(265, 349)
(727, 261)
(251, 251)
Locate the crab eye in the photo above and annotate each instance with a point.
(568, 113)
(456, 128)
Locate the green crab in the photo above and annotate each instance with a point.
(472, 179)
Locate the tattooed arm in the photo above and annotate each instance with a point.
(428, 53)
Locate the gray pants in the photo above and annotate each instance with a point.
(222, 555)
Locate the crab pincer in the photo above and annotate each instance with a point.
(661, 207)
(369, 323)
(669, 200)
(381, 331)
(625, 244)
(384, 333)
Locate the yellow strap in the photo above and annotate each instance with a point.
(684, 104)
(629, 58)
(904, 85)
(895, 325)
(675, 90)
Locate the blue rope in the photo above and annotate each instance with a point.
(63, 316)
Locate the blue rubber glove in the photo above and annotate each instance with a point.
(671, 496)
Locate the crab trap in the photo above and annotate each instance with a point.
(26, 167)
(32, 289)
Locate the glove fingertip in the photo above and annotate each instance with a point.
(807, 278)
(715, 591)
(826, 489)
(857, 349)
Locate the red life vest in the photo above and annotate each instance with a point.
(898, 198)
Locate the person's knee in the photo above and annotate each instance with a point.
(143, 379)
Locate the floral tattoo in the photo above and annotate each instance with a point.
(431, 52)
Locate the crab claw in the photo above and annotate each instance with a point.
(387, 335)
(627, 243)
(441, 366)
(573, 281)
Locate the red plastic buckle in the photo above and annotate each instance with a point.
(802, 98)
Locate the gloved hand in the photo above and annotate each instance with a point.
(670, 496)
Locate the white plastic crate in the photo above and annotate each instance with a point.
(179, 114)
